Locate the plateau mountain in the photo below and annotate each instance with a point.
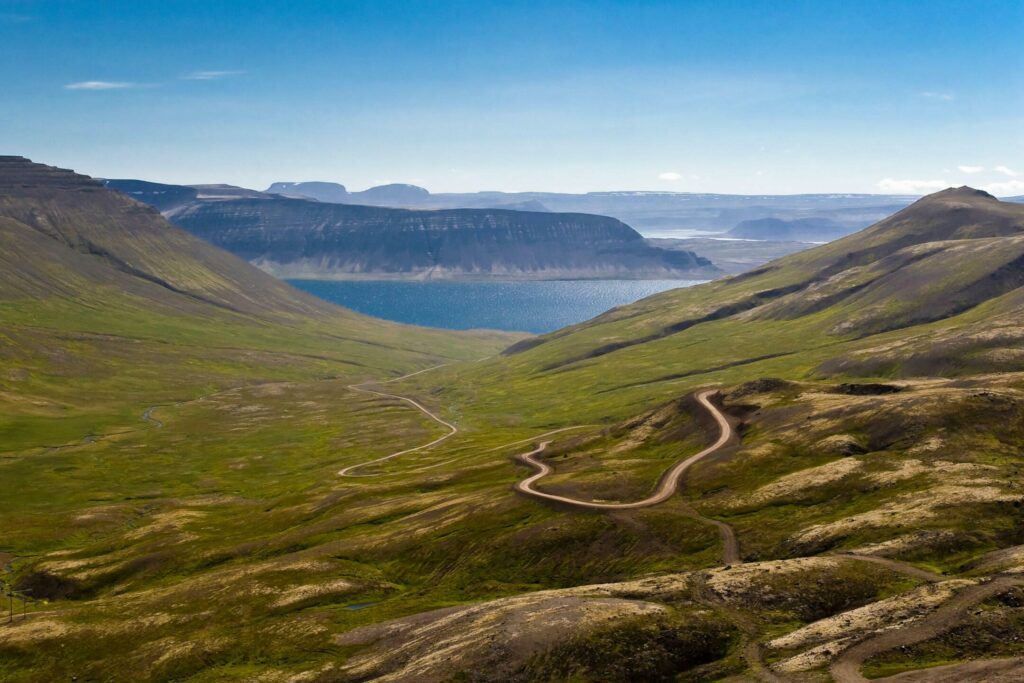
(303, 238)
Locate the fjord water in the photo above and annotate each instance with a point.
(532, 306)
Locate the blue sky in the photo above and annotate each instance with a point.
(716, 96)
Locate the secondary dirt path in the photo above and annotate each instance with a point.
(361, 387)
(897, 566)
(148, 417)
(846, 667)
(666, 487)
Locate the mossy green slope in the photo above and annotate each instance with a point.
(105, 308)
(948, 269)
(227, 548)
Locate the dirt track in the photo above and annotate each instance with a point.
(846, 667)
(666, 487)
(361, 387)
(897, 566)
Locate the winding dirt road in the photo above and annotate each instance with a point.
(666, 487)
(845, 668)
(361, 387)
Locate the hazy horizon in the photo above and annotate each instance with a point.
(351, 188)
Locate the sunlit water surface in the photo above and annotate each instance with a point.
(521, 306)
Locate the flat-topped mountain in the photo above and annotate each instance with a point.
(393, 194)
(306, 239)
(320, 191)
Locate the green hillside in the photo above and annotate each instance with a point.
(106, 308)
(201, 495)
(947, 269)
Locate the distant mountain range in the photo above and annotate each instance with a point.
(396, 194)
(304, 238)
(651, 213)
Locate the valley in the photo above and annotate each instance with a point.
(806, 472)
(511, 342)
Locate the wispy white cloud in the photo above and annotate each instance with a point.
(939, 96)
(670, 175)
(209, 75)
(1006, 170)
(971, 169)
(100, 85)
(902, 186)
(1006, 189)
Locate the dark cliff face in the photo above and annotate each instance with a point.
(300, 238)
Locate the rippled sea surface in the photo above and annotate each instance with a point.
(520, 306)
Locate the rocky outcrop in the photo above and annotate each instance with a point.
(20, 175)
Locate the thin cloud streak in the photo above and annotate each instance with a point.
(101, 85)
(209, 75)
(939, 96)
